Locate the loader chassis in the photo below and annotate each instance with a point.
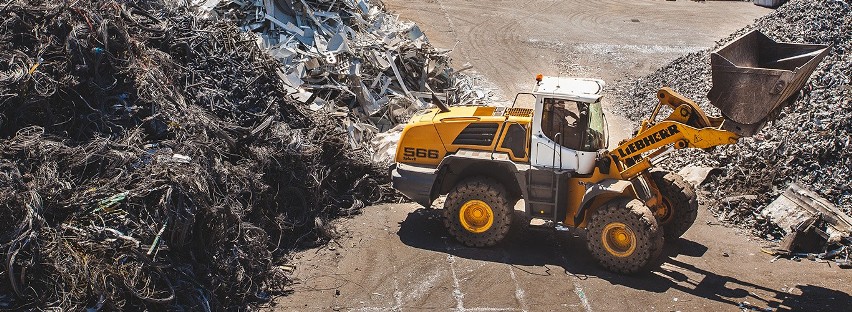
(551, 176)
(555, 156)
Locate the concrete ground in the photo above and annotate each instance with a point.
(510, 41)
(399, 257)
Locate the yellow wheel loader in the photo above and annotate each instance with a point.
(555, 157)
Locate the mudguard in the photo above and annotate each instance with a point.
(467, 163)
(608, 186)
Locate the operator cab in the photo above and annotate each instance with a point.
(569, 126)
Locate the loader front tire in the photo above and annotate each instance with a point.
(624, 237)
(477, 212)
(680, 205)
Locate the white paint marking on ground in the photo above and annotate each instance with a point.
(371, 309)
(457, 293)
(423, 286)
(452, 30)
(415, 294)
(519, 292)
(397, 295)
(583, 299)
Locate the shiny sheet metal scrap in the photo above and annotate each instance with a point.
(354, 58)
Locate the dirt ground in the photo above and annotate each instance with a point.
(399, 257)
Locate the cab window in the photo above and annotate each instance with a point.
(564, 121)
(596, 136)
(575, 125)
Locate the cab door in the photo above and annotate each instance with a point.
(558, 136)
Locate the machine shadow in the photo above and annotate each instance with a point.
(424, 229)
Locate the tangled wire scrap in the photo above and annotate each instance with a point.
(150, 159)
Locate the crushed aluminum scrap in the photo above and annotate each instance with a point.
(353, 58)
(153, 160)
(808, 144)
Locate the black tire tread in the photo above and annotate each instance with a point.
(649, 236)
(489, 191)
(682, 196)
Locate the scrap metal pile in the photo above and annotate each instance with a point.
(353, 58)
(152, 159)
(811, 142)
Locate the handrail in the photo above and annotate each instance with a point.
(519, 94)
(553, 156)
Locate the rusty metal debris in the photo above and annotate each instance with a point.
(808, 144)
(152, 159)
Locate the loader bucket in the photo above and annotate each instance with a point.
(754, 77)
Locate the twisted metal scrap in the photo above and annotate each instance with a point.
(150, 159)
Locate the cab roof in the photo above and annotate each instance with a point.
(576, 89)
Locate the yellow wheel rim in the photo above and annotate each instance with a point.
(476, 216)
(618, 239)
(663, 211)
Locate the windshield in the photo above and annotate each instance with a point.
(596, 134)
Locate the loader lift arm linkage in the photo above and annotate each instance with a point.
(686, 127)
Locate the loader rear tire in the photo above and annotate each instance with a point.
(624, 237)
(477, 212)
(681, 204)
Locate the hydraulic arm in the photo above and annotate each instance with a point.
(686, 127)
